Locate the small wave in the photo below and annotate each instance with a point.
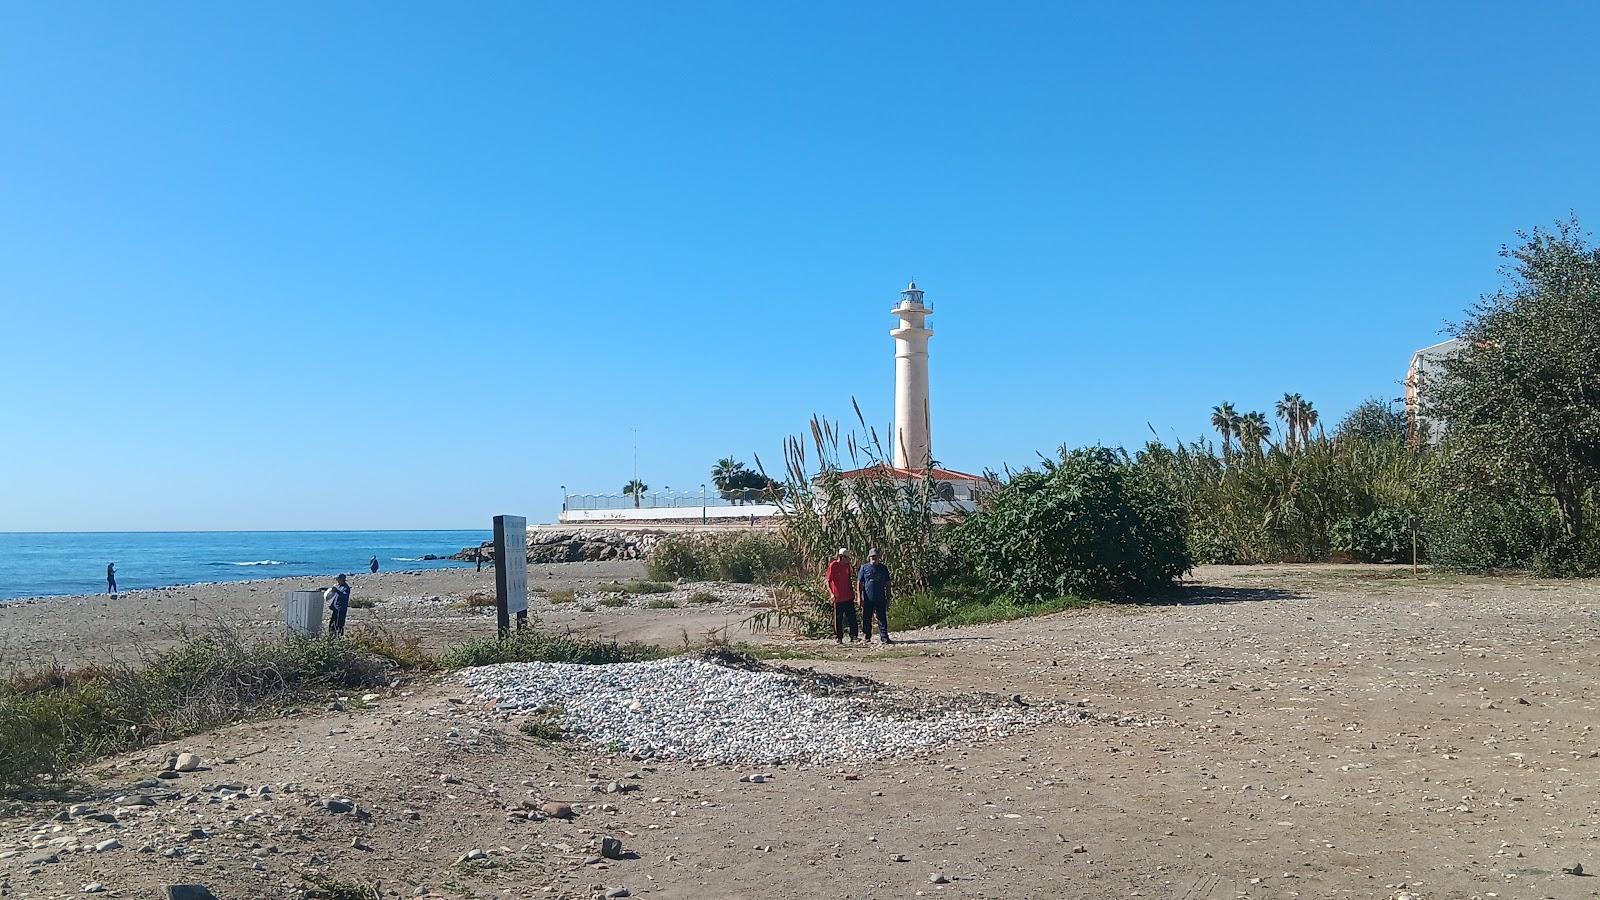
(404, 558)
(261, 562)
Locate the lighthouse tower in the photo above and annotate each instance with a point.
(913, 443)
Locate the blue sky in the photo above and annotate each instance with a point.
(307, 265)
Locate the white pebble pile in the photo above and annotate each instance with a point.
(685, 708)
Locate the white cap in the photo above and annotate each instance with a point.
(844, 551)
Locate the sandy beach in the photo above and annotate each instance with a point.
(98, 628)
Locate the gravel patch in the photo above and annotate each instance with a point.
(688, 708)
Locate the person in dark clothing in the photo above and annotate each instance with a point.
(874, 579)
(111, 579)
(338, 607)
(477, 557)
(374, 565)
(842, 588)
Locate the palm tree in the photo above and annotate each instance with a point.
(725, 473)
(1289, 412)
(1225, 420)
(1253, 429)
(1308, 418)
(637, 489)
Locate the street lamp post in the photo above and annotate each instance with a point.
(702, 504)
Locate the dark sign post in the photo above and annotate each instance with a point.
(511, 575)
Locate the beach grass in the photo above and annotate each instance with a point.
(647, 587)
(56, 718)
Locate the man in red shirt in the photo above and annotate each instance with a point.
(841, 580)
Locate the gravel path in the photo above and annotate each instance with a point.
(686, 708)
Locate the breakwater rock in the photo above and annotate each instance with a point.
(557, 545)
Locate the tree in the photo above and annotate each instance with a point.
(1225, 420)
(1308, 418)
(637, 489)
(1253, 429)
(1521, 402)
(1373, 421)
(724, 473)
(1289, 411)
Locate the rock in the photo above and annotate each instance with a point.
(369, 698)
(339, 805)
(449, 779)
(94, 887)
(1574, 869)
(618, 892)
(472, 855)
(187, 762)
(1522, 701)
(168, 775)
(556, 810)
(107, 845)
(610, 847)
(756, 779)
(187, 892)
(938, 878)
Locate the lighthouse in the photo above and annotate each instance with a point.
(913, 442)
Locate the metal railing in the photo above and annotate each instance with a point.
(660, 500)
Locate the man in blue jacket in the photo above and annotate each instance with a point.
(874, 583)
(338, 607)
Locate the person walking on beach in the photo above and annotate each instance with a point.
(874, 580)
(338, 598)
(374, 565)
(111, 579)
(477, 557)
(841, 578)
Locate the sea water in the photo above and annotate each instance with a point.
(46, 564)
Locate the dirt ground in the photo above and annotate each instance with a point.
(1293, 731)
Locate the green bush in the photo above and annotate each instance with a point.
(1004, 610)
(679, 556)
(907, 613)
(540, 646)
(1474, 534)
(743, 557)
(1092, 525)
(647, 587)
(1381, 536)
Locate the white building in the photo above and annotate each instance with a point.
(1427, 366)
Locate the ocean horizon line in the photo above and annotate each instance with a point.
(488, 527)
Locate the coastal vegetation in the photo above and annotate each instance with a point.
(1507, 481)
(738, 483)
(57, 718)
(745, 557)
